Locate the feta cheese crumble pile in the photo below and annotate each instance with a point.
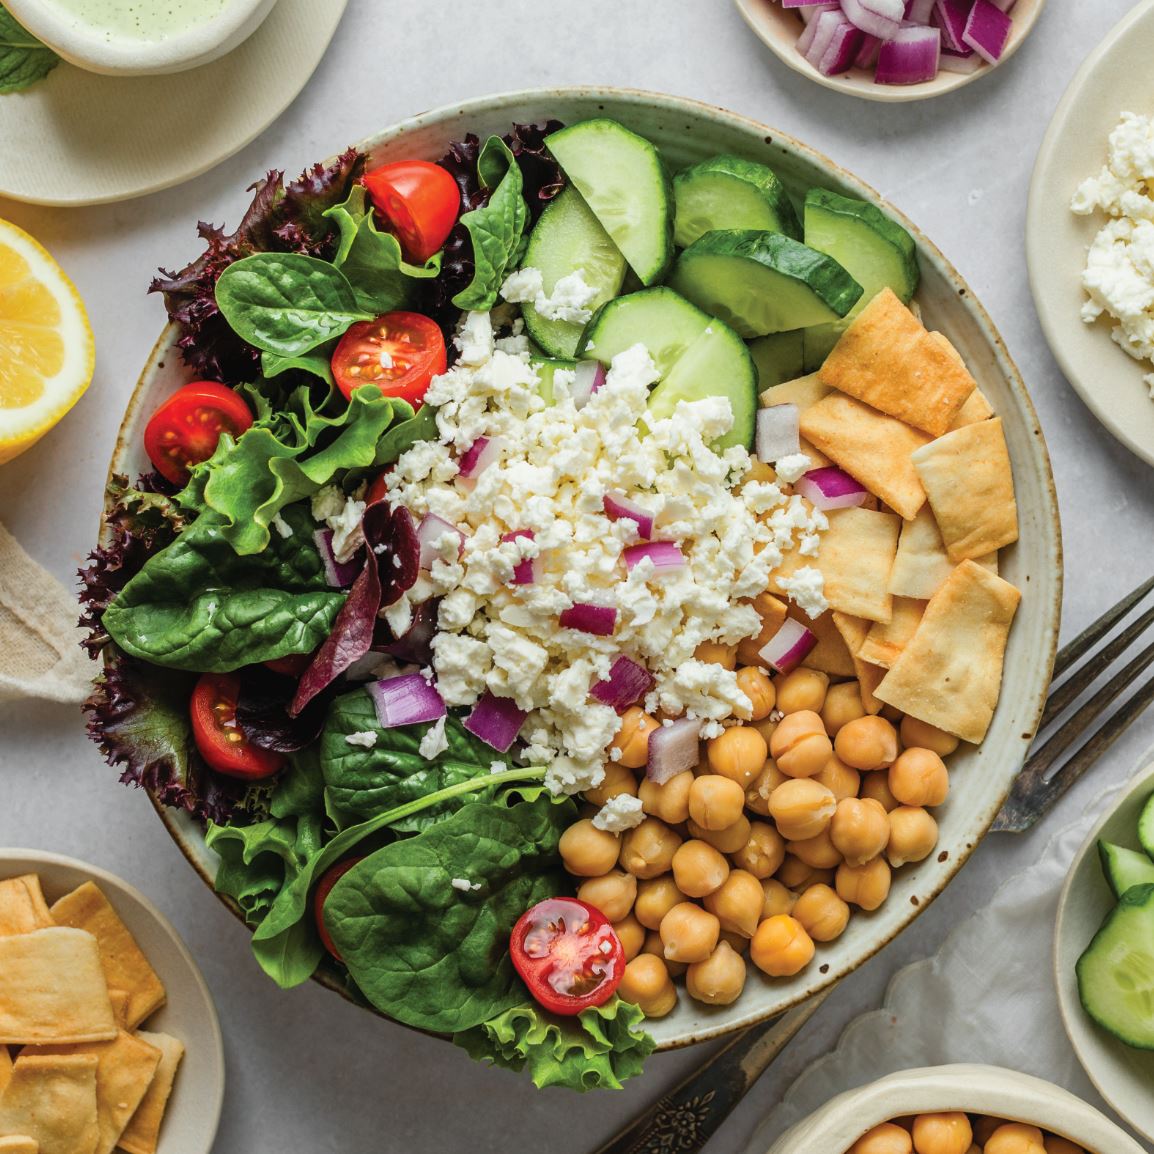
(1119, 275)
(556, 465)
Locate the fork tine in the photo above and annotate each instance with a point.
(1075, 650)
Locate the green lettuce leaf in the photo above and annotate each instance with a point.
(23, 58)
(318, 362)
(600, 1048)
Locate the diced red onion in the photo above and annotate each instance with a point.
(673, 749)
(799, 3)
(811, 12)
(881, 18)
(778, 432)
(588, 377)
(867, 54)
(831, 488)
(665, 555)
(431, 529)
(628, 682)
(841, 51)
(987, 30)
(825, 28)
(951, 16)
(526, 571)
(496, 721)
(920, 11)
(788, 647)
(600, 620)
(479, 456)
(406, 700)
(911, 57)
(339, 574)
(620, 508)
(956, 62)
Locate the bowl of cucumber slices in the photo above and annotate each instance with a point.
(1104, 955)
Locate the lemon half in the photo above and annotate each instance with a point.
(46, 349)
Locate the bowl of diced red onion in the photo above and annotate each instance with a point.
(892, 50)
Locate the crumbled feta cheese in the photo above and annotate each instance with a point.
(619, 814)
(434, 743)
(464, 885)
(793, 467)
(342, 514)
(807, 588)
(365, 739)
(497, 767)
(569, 300)
(399, 615)
(283, 528)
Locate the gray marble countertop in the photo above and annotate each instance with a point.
(306, 1071)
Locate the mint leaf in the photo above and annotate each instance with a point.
(23, 58)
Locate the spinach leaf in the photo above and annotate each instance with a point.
(428, 954)
(198, 605)
(497, 229)
(317, 362)
(23, 58)
(287, 303)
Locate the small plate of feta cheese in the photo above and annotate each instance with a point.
(1090, 232)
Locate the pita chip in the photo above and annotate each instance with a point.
(888, 360)
(830, 654)
(884, 643)
(22, 906)
(125, 965)
(120, 1001)
(922, 563)
(976, 409)
(52, 988)
(53, 1101)
(803, 392)
(970, 486)
(18, 1144)
(5, 1069)
(950, 674)
(142, 1134)
(772, 612)
(854, 631)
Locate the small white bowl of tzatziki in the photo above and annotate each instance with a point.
(141, 37)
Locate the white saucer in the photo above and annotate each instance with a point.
(79, 138)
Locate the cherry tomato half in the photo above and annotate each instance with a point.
(378, 490)
(185, 430)
(291, 665)
(400, 353)
(421, 202)
(219, 738)
(324, 888)
(568, 955)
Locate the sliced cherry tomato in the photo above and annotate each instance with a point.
(420, 200)
(400, 353)
(568, 954)
(378, 490)
(219, 738)
(185, 430)
(324, 888)
(291, 665)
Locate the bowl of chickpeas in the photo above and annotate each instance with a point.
(964, 1109)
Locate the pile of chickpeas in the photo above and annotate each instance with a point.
(960, 1134)
(788, 822)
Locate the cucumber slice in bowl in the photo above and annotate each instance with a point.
(664, 322)
(1146, 828)
(763, 282)
(779, 357)
(1125, 868)
(728, 192)
(624, 181)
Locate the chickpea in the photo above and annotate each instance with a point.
(776, 898)
(860, 829)
(719, 980)
(800, 746)
(767, 726)
(1016, 1138)
(867, 743)
(647, 849)
(926, 736)
(794, 874)
(737, 903)
(736, 942)
(618, 779)
(867, 885)
(893, 714)
(689, 933)
(669, 802)
(715, 802)
(913, 835)
(1055, 1144)
(842, 705)
(801, 809)
(739, 753)
(839, 778)
(763, 853)
(726, 840)
(919, 777)
(818, 852)
(781, 947)
(588, 852)
(823, 914)
(699, 869)
(877, 787)
(646, 983)
(888, 1138)
(631, 934)
(612, 893)
(943, 1134)
(655, 898)
(714, 653)
(756, 685)
(632, 740)
(757, 795)
(801, 690)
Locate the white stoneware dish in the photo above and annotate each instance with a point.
(1122, 1075)
(193, 1113)
(973, 1089)
(778, 28)
(688, 132)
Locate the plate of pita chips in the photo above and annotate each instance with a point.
(109, 1040)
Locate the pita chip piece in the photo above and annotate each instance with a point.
(22, 906)
(142, 1134)
(976, 409)
(970, 486)
(5, 1069)
(772, 612)
(18, 1144)
(830, 654)
(884, 643)
(854, 631)
(52, 988)
(125, 965)
(53, 1100)
(888, 360)
(803, 392)
(950, 674)
(875, 449)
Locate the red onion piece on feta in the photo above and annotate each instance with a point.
(496, 721)
(778, 433)
(987, 30)
(339, 574)
(479, 456)
(831, 488)
(788, 647)
(431, 529)
(406, 700)
(620, 508)
(881, 18)
(589, 376)
(600, 620)
(525, 572)
(628, 682)
(911, 57)
(665, 555)
(673, 749)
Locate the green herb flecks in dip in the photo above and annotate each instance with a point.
(151, 20)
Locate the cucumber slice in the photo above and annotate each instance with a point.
(665, 323)
(1146, 828)
(779, 357)
(1125, 868)
(728, 192)
(763, 282)
(1116, 973)
(546, 369)
(623, 179)
(568, 237)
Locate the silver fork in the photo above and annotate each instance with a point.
(1068, 743)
